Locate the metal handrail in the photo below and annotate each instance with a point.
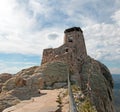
(71, 98)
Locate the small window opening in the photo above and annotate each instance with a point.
(66, 50)
(78, 59)
(70, 39)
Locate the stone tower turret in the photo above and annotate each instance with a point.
(73, 48)
(74, 39)
(73, 51)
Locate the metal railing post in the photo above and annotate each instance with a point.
(71, 98)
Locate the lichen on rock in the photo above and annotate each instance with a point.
(54, 72)
(99, 88)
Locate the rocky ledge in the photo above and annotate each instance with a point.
(27, 83)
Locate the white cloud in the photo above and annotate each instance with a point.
(102, 41)
(12, 19)
(39, 7)
(53, 36)
(17, 33)
(14, 67)
(30, 43)
(8, 69)
(116, 17)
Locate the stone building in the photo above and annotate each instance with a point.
(73, 51)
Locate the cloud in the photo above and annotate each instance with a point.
(14, 67)
(52, 36)
(91, 10)
(116, 17)
(30, 43)
(13, 19)
(19, 31)
(102, 41)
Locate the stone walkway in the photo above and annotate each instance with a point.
(45, 103)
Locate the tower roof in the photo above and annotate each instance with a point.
(73, 29)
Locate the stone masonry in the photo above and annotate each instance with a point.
(73, 51)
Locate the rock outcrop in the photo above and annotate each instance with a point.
(95, 84)
(3, 78)
(27, 83)
(54, 74)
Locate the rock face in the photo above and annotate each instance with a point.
(7, 100)
(54, 73)
(4, 77)
(20, 86)
(26, 83)
(94, 81)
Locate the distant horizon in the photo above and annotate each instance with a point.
(115, 74)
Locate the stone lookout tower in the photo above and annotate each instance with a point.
(74, 40)
(73, 51)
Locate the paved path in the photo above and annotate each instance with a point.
(44, 103)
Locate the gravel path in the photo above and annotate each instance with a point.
(45, 103)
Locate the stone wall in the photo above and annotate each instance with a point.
(73, 51)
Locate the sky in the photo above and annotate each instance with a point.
(29, 26)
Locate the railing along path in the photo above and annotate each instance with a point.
(72, 106)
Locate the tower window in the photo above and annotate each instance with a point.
(78, 59)
(66, 50)
(70, 39)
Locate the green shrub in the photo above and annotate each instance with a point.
(86, 106)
